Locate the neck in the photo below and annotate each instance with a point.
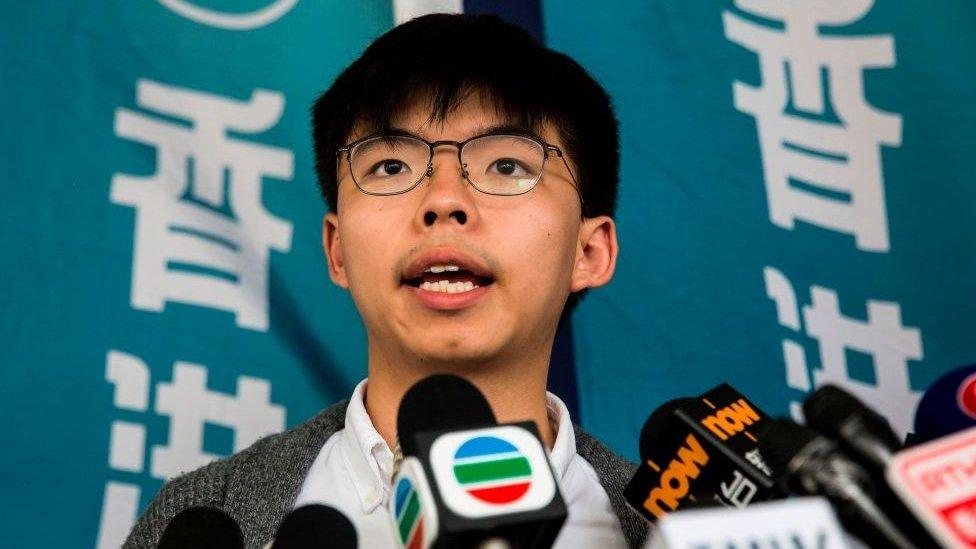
(515, 389)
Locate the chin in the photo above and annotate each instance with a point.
(453, 353)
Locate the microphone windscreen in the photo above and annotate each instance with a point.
(201, 527)
(658, 424)
(830, 407)
(315, 526)
(440, 402)
(779, 441)
(948, 406)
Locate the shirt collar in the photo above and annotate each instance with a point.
(564, 445)
(367, 455)
(370, 460)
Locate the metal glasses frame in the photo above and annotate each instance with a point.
(431, 145)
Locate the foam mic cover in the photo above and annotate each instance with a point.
(842, 417)
(441, 402)
(948, 406)
(201, 527)
(315, 526)
(658, 424)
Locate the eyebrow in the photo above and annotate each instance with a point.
(494, 129)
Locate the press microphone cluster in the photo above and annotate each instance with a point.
(715, 471)
(721, 449)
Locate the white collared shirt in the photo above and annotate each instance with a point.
(353, 473)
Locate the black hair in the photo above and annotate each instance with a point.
(445, 58)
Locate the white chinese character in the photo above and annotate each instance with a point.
(127, 444)
(203, 236)
(189, 405)
(835, 148)
(882, 336)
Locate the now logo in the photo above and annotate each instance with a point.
(731, 420)
(677, 478)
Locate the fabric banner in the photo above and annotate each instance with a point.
(795, 210)
(796, 203)
(166, 298)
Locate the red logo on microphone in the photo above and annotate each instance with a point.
(966, 396)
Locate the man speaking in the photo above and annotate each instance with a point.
(471, 178)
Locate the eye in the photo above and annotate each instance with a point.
(389, 167)
(508, 167)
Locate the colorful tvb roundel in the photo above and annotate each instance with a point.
(413, 511)
(492, 471)
(409, 521)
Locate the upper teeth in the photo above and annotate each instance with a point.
(442, 268)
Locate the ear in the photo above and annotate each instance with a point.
(596, 255)
(333, 250)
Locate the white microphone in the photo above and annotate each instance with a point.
(801, 523)
(937, 481)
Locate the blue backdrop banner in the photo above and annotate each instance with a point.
(795, 210)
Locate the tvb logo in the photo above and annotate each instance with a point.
(676, 479)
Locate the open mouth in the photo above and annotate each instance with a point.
(448, 278)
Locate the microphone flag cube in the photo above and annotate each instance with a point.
(701, 452)
(797, 522)
(475, 484)
(937, 481)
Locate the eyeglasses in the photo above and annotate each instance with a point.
(497, 164)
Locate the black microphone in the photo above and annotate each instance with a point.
(315, 526)
(201, 527)
(440, 402)
(465, 480)
(864, 435)
(810, 464)
(698, 452)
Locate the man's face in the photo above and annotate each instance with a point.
(515, 255)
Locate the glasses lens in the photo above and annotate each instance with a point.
(388, 165)
(503, 164)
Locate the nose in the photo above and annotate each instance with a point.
(449, 196)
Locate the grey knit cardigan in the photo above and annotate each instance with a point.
(258, 486)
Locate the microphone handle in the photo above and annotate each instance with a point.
(856, 509)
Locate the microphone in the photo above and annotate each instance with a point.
(865, 436)
(948, 406)
(863, 433)
(465, 480)
(314, 526)
(201, 527)
(797, 522)
(809, 464)
(440, 402)
(937, 481)
(701, 451)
